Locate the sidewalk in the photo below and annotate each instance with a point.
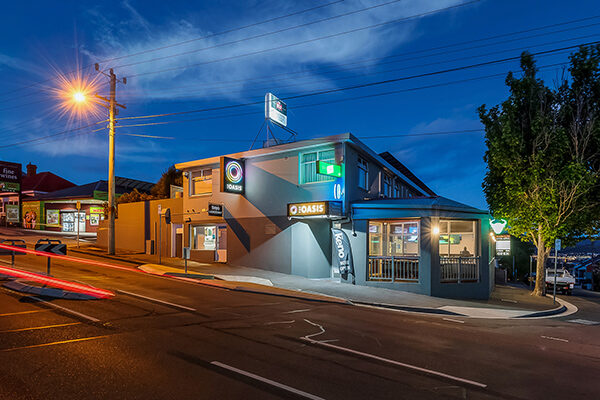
(507, 301)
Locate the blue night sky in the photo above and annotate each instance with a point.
(41, 41)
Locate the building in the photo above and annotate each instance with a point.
(57, 210)
(331, 207)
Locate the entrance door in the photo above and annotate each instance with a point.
(222, 244)
(81, 222)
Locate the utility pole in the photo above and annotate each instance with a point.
(112, 113)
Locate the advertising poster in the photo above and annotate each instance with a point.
(94, 219)
(12, 213)
(32, 213)
(53, 218)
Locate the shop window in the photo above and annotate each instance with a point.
(458, 238)
(308, 166)
(393, 238)
(363, 174)
(205, 237)
(201, 182)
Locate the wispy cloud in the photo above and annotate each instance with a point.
(15, 63)
(137, 34)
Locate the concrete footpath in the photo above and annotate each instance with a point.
(507, 301)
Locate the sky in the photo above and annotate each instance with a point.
(415, 63)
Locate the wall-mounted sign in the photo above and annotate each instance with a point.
(275, 109)
(32, 214)
(10, 177)
(343, 253)
(96, 210)
(53, 218)
(329, 169)
(232, 175)
(315, 209)
(498, 225)
(503, 245)
(215, 210)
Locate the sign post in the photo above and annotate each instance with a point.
(14, 243)
(51, 246)
(78, 216)
(557, 244)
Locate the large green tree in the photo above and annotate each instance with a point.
(542, 155)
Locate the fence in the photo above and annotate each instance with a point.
(394, 269)
(459, 269)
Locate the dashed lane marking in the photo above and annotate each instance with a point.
(54, 343)
(40, 327)
(583, 321)
(22, 312)
(454, 320)
(287, 388)
(157, 300)
(297, 311)
(555, 338)
(65, 309)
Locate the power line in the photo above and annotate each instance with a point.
(184, 42)
(308, 40)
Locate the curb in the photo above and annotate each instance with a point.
(414, 309)
(115, 258)
(21, 287)
(558, 310)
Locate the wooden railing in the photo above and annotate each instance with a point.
(459, 269)
(394, 269)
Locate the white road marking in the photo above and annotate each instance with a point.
(156, 300)
(508, 300)
(400, 364)
(555, 338)
(65, 309)
(297, 311)
(308, 337)
(584, 321)
(454, 320)
(280, 322)
(290, 389)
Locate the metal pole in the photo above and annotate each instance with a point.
(530, 270)
(111, 163)
(514, 270)
(78, 227)
(48, 266)
(554, 289)
(159, 238)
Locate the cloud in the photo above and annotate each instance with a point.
(18, 64)
(136, 34)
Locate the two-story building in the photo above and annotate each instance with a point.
(331, 207)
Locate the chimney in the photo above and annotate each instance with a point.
(31, 169)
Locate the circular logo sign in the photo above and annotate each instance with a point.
(234, 172)
(293, 210)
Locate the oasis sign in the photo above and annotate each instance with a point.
(233, 173)
(315, 209)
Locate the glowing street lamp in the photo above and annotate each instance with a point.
(79, 97)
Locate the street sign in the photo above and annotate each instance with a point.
(216, 210)
(160, 209)
(186, 253)
(557, 244)
(54, 248)
(503, 245)
(78, 205)
(168, 216)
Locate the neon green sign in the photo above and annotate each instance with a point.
(325, 168)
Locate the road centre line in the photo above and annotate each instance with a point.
(65, 309)
(454, 320)
(297, 311)
(400, 364)
(555, 338)
(22, 312)
(40, 327)
(287, 388)
(156, 300)
(54, 343)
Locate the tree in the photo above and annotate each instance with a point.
(162, 189)
(542, 162)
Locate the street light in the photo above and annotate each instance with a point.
(79, 97)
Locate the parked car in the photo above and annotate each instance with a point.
(564, 281)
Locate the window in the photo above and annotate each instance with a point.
(201, 182)
(458, 238)
(387, 186)
(363, 174)
(397, 187)
(393, 238)
(205, 237)
(308, 166)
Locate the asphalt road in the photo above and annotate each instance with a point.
(184, 340)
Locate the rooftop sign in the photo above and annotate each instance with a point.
(10, 177)
(275, 109)
(329, 169)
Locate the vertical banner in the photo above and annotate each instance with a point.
(342, 252)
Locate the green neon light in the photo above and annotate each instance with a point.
(325, 168)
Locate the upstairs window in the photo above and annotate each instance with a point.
(201, 182)
(363, 174)
(387, 186)
(308, 166)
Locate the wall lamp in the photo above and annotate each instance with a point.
(436, 230)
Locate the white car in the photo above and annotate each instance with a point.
(564, 281)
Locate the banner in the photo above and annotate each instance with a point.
(342, 252)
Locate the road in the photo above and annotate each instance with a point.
(161, 338)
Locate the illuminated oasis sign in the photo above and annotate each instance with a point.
(232, 175)
(315, 209)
